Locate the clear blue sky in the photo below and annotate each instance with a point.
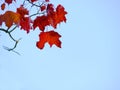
(89, 58)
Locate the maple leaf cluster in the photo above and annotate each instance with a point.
(46, 16)
(52, 18)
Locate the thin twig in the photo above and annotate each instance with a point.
(11, 37)
(16, 42)
(8, 49)
(9, 33)
(35, 4)
(2, 29)
(13, 29)
(36, 14)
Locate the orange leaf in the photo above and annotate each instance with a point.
(9, 18)
(3, 6)
(50, 37)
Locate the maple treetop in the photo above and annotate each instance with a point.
(46, 15)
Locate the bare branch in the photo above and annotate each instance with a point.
(9, 33)
(13, 29)
(8, 49)
(35, 4)
(4, 30)
(36, 14)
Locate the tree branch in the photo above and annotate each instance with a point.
(16, 41)
(36, 14)
(13, 29)
(2, 29)
(35, 4)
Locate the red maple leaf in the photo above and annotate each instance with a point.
(52, 18)
(50, 8)
(22, 11)
(41, 22)
(25, 24)
(60, 10)
(50, 37)
(58, 16)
